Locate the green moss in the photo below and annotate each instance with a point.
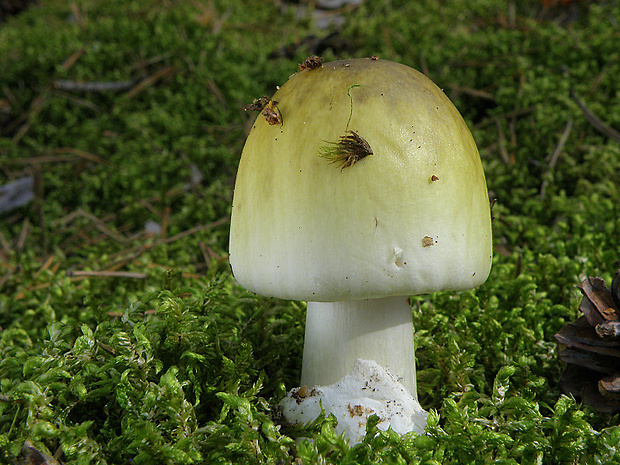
(179, 365)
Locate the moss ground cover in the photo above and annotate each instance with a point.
(124, 338)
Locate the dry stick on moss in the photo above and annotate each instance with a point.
(23, 235)
(48, 262)
(81, 275)
(209, 254)
(82, 102)
(473, 92)
(149, 81)
(106, 348)
(73, 58)
(37, 287)
(553, 159)
(594, 120)
(94, 86)
(39, 200)
(79, 213)
(106, 274)
(196, 229)
(142, 64)
(6, 247)
(217, 92)
(134, 252)
(164, 222)
(81, 154)
(502, 145)
(510, 114)
(73, 242)
(73, 152)
(120, 314)
(4, 278)
(35, 108)
(99, 224)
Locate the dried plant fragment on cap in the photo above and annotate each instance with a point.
(312, 62)
(592, 347)
(350, 149)
(268, 108)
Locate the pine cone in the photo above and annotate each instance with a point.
(591, 347)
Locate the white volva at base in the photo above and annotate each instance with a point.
(367, 390)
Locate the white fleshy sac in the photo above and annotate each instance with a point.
(369, 389)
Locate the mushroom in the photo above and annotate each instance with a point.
(369, 190)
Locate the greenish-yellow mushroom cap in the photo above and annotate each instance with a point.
(315, 219)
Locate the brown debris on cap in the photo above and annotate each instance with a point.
(268, 108)
(427, 241)
(592, 347)
(312, 62)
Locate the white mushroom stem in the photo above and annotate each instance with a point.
(338, 333)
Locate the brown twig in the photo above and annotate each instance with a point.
(106, 348)
(45, 265)
(142, 64)
(38, 204)
(23, 235)
(502, 145)
(6, 248)
(4, 278)
(35, 108)
(558, 149)
(78, 100)
(553, 158)
(73, 152)
(149, 81)
(510, 114)
(473, 92)
(134, 252)
(594, 120)
(194, 230)
(387, 40)
(164, 222)
(119, 314)
(217, 92)
(150, 207)
(513, 132)
(78, 14)
(99, 224)
(37, 287)
(42, 159)
(75, 56)
(81, 154)
(209, 254)
(81, 275)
